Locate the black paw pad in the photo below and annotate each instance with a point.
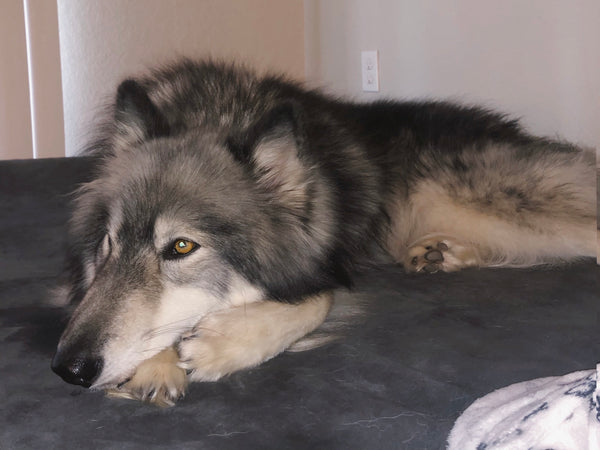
(434, 256)
(442, 247)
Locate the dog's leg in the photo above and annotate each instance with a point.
(457, 237)
(503, 210)
(222, 343)
(157, 380)
(245, 336)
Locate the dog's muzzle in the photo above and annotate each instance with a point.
(77, 370)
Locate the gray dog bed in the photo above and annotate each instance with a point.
(427, 347)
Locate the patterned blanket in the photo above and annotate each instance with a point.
(561, 413)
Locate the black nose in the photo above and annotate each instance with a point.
(77, 370)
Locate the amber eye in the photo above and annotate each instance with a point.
(179, 248)
(183, 247)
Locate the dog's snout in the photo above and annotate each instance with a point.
(79, 369)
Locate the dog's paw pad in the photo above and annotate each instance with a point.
(432, 255)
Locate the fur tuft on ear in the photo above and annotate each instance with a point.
(136, 114)
(278, 158)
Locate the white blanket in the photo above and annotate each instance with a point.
(561, 413)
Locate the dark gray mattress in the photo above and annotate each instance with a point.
(427, 347)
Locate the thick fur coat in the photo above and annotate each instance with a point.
(218, 189)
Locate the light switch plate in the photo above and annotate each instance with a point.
(370, 70)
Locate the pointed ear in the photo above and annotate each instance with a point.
(136, 112)
(278, 155)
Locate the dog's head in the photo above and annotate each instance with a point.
(181, 222)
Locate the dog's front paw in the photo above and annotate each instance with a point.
(157, 380)
(245, 336)
(209, 352)
(435, 253)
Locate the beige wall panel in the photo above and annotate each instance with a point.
(103, 41)
(15, 118)
(46, 89)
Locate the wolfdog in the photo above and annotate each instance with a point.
(228, 206)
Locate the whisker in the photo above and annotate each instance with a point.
(152, 350)
(220, 333)
(166, 328)
(175, 326)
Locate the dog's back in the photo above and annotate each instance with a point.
(440, 186)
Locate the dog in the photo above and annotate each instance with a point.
(228, 206)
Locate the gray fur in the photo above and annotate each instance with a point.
(285, 191)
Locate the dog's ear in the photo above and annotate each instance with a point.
(136, 114)
(278, 156)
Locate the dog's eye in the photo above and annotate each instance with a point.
(182, 247)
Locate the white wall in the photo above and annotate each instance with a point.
(539, 59)
(103, 41)
(45, 88)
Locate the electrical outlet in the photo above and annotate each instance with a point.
(370, 71)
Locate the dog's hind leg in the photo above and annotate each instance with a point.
(245, 336)
(497, 213)
(455, 237)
